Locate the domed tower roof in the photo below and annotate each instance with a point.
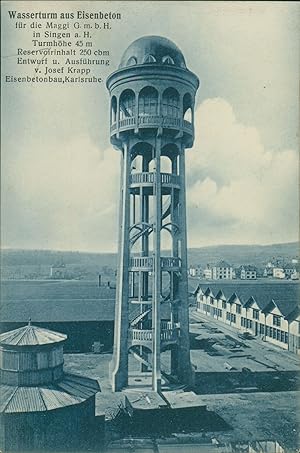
(30, 335)
(153, 50)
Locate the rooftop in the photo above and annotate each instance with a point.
(69, 391)
(153, 50)
(31, 336)
(285, 296)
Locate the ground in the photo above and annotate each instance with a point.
(248, 414)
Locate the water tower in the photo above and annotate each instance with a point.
(152, 98)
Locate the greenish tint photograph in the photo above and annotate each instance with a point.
(149, 292)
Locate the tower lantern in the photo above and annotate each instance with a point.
(152, 97)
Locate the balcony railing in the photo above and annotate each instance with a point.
(130, 121)
(147, 263)
(152, 120)
(142, 336)
(170, 262)
(150, 178)
(142, 262)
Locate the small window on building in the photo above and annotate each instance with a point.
(255, 314)
(167, 60)
(276, 320)
(149, 59)
(131, 61)
(238, 309)
(223, 304)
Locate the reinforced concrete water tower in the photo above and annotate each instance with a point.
(152, 123)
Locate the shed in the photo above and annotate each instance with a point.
(41, 406)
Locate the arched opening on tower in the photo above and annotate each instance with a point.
(127, 104)
(113, 110)
(188, 108)
(171, 151)
(165, 164)
(166, 241)
(170, 103)
(148, 101)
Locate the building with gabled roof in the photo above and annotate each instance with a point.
(222, 271)
(41, 406)
(247, 272)
(269, 313)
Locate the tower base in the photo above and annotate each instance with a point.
(170, 411)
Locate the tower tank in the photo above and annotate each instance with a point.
(152, 99)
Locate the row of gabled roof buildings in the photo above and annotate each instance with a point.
(225, 271)
(272, 317)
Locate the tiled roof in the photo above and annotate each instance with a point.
(209, 292)
(233, 298)
(220, 295)
(69, 391)
(31, 336)
(248, 267)
(223, 263)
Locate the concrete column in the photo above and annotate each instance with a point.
(185, 373)
(119, 365)
(156, 374)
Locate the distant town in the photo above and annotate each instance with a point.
(276, 268)
(237, 262)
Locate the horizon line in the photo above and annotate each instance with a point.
(115, 252)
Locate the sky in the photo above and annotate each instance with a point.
(61, 177)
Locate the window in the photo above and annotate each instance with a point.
(233, 318)
(149, 59)
(255, 314)
(127, 104)
(238, 309)
(298, 327)
(148, 101)
(170, 103)
(224, 305)
(286, 337)
(278, 335)
(276, 320)
(227, 316)
(167, 60)
(131, 61)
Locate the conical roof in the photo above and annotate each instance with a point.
(30, 335)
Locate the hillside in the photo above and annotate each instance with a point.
(257, 255)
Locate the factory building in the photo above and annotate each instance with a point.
(274, 319)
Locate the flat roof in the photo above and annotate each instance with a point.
(59, 301)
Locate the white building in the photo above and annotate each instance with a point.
(276, 324)
(248, 272)
(278, 272)
(222, 271)
(207, 273)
